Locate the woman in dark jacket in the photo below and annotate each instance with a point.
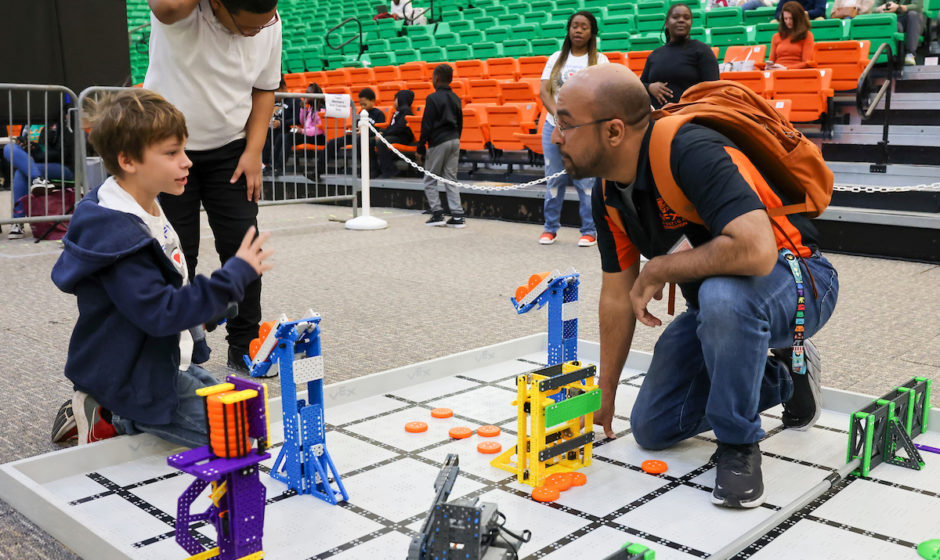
(680, 63)
(397, 132)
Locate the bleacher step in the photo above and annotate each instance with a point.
(871, 134)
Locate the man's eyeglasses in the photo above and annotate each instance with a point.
(249, 31)
(564, 128)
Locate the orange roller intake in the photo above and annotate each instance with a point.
(228, 426)
(265, 329)
(253, 348)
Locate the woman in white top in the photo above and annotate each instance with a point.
(578, 52)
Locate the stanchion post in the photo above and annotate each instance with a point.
(366, 221)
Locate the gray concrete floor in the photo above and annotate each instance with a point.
(412, 293)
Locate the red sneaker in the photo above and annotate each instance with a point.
(547, 238)
(587, 241)
(90, 425)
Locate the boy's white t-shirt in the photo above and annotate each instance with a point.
(572, 65)
(113, 197)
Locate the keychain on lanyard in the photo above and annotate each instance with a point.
(798, 358)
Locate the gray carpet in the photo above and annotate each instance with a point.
(412, 293)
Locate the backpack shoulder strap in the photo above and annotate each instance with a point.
(660, 154)
(612, 212)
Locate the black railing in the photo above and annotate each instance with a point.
(867, 105)
(358, 36)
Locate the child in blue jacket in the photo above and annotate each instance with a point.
(133, 353)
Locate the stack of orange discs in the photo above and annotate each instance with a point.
(228, 426)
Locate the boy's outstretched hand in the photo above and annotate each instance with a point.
(252, 253)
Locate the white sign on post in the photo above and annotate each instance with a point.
(337, 105)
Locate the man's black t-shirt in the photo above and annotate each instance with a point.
(708, 168)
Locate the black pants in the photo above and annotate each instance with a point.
(230, 215)
(386, 157)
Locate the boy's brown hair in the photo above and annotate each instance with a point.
(130, 121)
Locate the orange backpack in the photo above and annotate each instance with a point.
(794, 164)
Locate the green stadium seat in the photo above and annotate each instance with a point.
(650, 23)
(594, 5)
(517, 47)
(432, 54)
(698, 18)
(444, 39)
(485, 3)
(422, 41)
(645, 42)
(383, 58)
(471, 36)
(723, 37)
(473, 13)
(498, 34)
(623, 24)
(554, 29)
(699, 34)
(878, 29)
(409, 55)
(486, 50)
(485, 22)
(764, 33)
(388, 28)
(458, 52)
(458, 26)
(692, 4)
(564, 8)
(499, 11)
(651, 7)
(509, 20)
(545, 6)
(525, 31)
(723, 17)
(827, 30)
(615, 42)
(535, 17)
(418, 30)
(399, 43)
(545, 46)
(759, 15)
(377, 45)
(620, 10)
(451, 13)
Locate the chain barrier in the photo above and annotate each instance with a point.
(933, 187)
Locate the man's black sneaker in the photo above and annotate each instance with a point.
(236, 359)
(738, 479)
(456, 222)
(436, 219)
(803, 409)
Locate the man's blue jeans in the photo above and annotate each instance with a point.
(25, 169)
(711, 369)
(188, 425)
(553, 202)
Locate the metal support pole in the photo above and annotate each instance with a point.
(366, 221)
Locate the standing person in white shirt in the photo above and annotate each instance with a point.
(219, 62)
(578, 52)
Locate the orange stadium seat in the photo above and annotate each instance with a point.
(738, 53)
(338, 90)
(385, 91)
(504, 122)
(421, 89)
(461, 87)
(636, 60)
(318, 78)
(471, 69)
(361, 77)
(846, 59)
(783, 107)
(517, 92)
(414, 123)
(337, 77)
(415, 71)
(532, 66)
(616, 57)
(760, 82)
(386, 74)
(296, 83)
(809, 89)
(476, 134)
(532, 141)
(485, 91)
(503, 68)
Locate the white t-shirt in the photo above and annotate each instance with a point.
(572, 65)
(208, 72)
(113, 197)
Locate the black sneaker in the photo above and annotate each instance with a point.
(738, 479)
(803, 409)
(64, 427)
(436, 219)
(456, 222)
(236, 359)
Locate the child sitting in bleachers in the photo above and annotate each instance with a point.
(397, 132)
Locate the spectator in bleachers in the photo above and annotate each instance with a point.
(848, 9)
(754, 4)
(679, 64)
(910, 20)
(792, 44)
(441, 126)
(219, 62)
(577, 52)
(41, 151)
(335, 148)
(816, 9)
(404, 10)
(397, 132)
(310, 128)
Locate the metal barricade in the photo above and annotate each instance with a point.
(317, 167)
(38, 158)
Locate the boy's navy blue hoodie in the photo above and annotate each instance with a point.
(132, 306)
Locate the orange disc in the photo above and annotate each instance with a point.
(460, 432)
(654, 467)
(488, 431)
(578, 479)
(254, 347)
(489, 447)
(442, 413)
(545, 494)
(265, 328)
(521, 291)
(416, 427)
(559, 481)
(536, 278)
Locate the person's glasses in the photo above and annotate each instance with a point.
(564, 128)
(249, 31)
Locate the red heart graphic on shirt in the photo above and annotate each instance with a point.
(177, 257)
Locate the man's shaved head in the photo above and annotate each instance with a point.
(613, 90)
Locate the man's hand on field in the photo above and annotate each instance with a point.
(605, 416)
(249, 165)
(645, 288)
